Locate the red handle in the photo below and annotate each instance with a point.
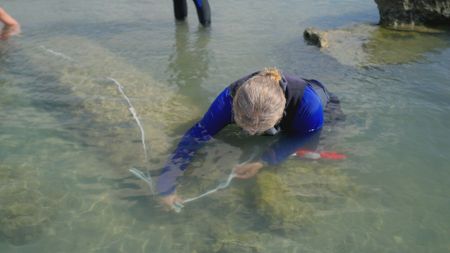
(317, 155)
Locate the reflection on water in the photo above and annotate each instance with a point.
(188, 64)
(68, 139)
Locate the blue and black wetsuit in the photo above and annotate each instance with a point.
(303, 118)
(202, 7)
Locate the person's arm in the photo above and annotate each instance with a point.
(217, 117)
(283, 148)
(288, 145)
(6, 19)
(11, 26)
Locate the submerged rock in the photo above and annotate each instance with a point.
(300, 193)
(280, 207)
(24, 211)
(250, 215)
(412, 14)
(366, 45)
(85, 70)
(227, 240)
(315, 37)
(319, 184)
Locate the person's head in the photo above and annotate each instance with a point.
(259, 103)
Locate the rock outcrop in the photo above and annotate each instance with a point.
(369, 45)
(410, 14)
(315, 37)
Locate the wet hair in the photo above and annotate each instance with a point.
(259, 103)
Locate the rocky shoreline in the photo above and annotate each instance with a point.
(407, 29)
(413, 14)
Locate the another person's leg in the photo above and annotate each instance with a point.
(180, 9)
(203, 12)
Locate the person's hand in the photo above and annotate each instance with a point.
(248, 170)
(172, 202)
(9, 30)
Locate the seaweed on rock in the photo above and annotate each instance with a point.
(85, 72)
(281, 209)
(24, 211)
(296, 196)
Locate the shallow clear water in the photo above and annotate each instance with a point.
(68, 139)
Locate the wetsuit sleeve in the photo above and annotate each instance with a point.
(286, 145)
(217, 117)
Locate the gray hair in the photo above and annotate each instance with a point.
(259, 103)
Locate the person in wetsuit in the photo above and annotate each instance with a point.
(202, 7)
(262, 103)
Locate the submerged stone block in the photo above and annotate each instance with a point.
(370, 45)
(315, 37)
(24, 209)
(278, 205)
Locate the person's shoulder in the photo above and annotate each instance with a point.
(294, 79)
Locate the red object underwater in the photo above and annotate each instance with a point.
(311, 154)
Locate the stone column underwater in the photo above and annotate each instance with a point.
(287, 199)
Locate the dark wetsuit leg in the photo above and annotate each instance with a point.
(180, 9)
(203, 12)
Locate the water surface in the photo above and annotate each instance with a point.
(68, 139)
